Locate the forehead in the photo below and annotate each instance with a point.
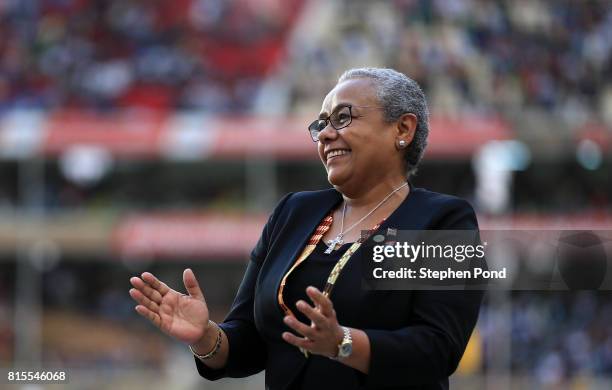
(359, 92)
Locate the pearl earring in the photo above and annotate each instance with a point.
(402, 143)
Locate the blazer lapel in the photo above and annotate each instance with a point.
(309, 219)
(295, 228)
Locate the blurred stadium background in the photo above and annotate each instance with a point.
(155, 135)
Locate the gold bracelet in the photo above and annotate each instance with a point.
(215, 349)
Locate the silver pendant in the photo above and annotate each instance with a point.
(331, 244)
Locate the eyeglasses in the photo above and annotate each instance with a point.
(339, 119)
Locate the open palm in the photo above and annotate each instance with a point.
(184, 317)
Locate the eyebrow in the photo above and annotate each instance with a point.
(324, 114)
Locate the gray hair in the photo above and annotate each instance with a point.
(398, 94)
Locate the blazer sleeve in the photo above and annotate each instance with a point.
(430, 347)
(247, 350)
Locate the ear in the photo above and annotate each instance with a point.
(406, 126)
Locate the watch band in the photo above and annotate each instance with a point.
(347, 339)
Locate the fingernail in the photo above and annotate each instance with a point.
(287, 319)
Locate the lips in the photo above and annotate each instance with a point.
(336, 152)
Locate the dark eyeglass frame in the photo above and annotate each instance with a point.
(315, 129)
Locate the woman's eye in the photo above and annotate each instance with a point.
(343, 117)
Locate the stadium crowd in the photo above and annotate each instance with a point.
(101, 55)
(555, 336)
(475, 55)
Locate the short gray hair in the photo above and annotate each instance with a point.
(398, 94)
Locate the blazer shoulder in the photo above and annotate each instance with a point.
(308, 196)
(297, 205)
(443, 211)
(312, 199)
(439, 201)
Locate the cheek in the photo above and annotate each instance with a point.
(373, 149)
(366, 145)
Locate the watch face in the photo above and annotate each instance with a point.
(345, 350)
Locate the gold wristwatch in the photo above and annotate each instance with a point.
(345, 348)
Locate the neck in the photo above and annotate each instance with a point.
(369, 196)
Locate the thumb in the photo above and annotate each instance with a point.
(192, 285)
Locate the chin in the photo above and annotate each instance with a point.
(337, 179)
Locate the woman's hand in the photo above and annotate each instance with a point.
(184, 317)
(324, 334)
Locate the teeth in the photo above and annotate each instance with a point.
(337, 152)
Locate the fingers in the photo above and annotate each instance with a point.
(320, 300)
(145, 289)
(143, 300)
(192, 285)
(321, 336)
(148, 314)
(300, 327)
(155, 283)
(297, 341)
(312, 313)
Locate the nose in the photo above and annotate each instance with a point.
(328, 133)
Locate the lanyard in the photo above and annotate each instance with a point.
(335, 272)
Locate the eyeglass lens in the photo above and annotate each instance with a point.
(339, 119)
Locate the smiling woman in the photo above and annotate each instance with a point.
(300, 313)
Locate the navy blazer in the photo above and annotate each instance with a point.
(417, 337)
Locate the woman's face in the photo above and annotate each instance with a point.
(366, 147)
